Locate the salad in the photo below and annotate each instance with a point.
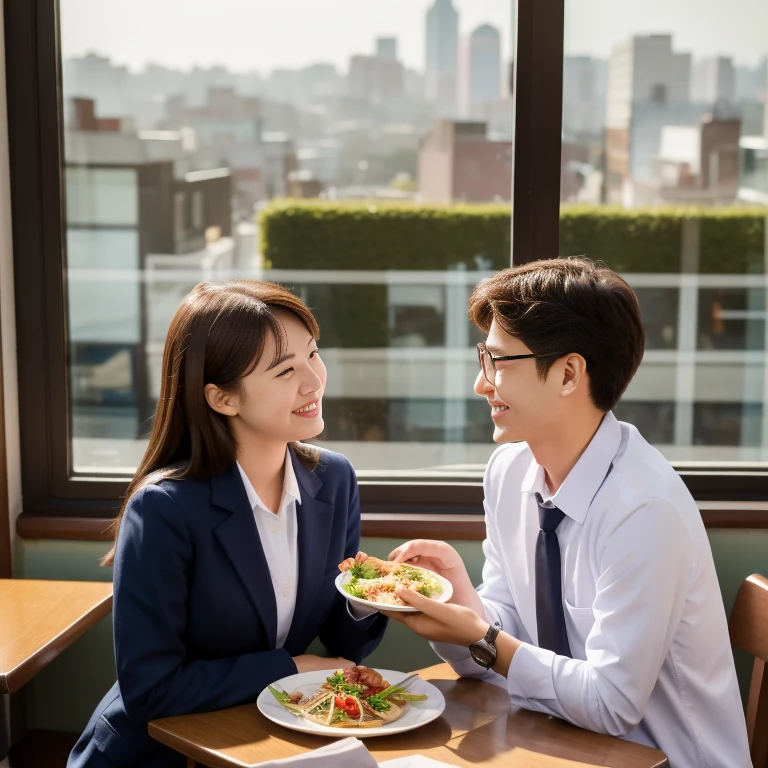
(357, 697)
(376, 580)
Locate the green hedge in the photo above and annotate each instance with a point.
(333, 235)
(627, 241)
(317, 235)
(733, 241)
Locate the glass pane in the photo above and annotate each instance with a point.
(665, 179)
(318, 144)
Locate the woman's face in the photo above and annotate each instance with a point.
(278, 402)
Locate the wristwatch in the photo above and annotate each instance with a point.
(484, 651)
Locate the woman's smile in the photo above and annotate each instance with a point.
(310, 410)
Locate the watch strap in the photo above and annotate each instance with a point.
(492, 633)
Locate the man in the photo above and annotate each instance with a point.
(600, 603)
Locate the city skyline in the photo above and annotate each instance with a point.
(336, 30)
(333, 33)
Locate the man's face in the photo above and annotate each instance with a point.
(522, 405)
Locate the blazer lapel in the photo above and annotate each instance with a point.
(239, 537)
(314, 519)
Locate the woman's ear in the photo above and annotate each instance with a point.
(220, 401)
(573, 374)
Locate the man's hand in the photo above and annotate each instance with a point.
(451, 623)
(441, 622)
(434, 555)
(441, 558)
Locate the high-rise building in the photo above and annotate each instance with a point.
(483, 81)
(713, 81)
(386, 48)
(649, 87)
(442, 50)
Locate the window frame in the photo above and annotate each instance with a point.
(50, 494)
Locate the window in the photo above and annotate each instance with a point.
(192, 157)
(144, 168)
(661, 151)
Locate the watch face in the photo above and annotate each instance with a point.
(483, 653)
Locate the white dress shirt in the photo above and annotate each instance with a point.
(278, 534)
(652, 660)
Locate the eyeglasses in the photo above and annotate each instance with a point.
(490, 373)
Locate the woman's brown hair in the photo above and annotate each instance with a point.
(560, 306)
(217, 336)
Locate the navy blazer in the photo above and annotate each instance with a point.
(194, 614)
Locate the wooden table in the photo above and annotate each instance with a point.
(477, 728)
(39, 619)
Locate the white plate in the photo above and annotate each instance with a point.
(346, 576)
(417, 714)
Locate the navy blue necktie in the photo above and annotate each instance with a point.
(550, 618)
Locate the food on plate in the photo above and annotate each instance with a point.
(357, 697)
(376, 580)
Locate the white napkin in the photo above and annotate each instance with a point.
(414, 761)
(344, 753)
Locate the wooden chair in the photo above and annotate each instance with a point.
(749, 632)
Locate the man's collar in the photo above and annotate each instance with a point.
(575, 495)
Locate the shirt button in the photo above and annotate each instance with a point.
(286, 591)
(274, 530)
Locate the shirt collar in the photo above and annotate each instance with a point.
(291, 490)
(584, 481)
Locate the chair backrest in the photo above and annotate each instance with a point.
(749, 632)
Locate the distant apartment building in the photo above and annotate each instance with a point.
(386, 48)
(481, 79)
(649, 86)
(279, 162)
(230, 130)
(695, 164)
(713, 81)
(314, 84)
(753, 150)
(585, 86)
(458, 162)
(375, 78)
(442, 52)
(96, 78)
(320, 159)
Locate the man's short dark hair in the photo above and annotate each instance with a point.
(561, 306)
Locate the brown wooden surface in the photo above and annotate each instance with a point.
(749, 631)
(477, 728)
(39, 619)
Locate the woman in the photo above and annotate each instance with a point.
(228, 543)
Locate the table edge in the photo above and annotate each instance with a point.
(16, 678)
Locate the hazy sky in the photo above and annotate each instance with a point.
(264, 34)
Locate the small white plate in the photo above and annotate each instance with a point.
(346, 576)
(418, 713)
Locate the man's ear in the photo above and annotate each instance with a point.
(574, 374)
(220, 401)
